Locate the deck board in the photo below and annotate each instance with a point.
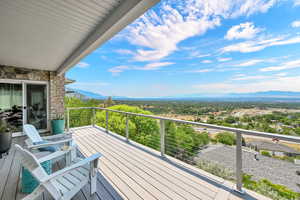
(136, 172)
(9, 173)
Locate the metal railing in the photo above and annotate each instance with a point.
(239, 132)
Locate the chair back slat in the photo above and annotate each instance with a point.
(32, 133)
(29, 161)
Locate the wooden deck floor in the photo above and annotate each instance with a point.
(128, 171)
(138, 172)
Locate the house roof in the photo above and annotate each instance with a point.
(270, 146)
(69, 81)
(55, 35)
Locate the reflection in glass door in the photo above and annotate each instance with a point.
(36, 101)
(11, 105)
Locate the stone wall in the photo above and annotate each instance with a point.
(57, 94)
(56, 85)
(7, 72)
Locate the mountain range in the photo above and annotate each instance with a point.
(254, 96)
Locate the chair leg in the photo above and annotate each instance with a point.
(74, 152)
(93, 176)
(93, 179)
(68, 159)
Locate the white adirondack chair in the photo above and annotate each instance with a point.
(62, 184)
(55, 140)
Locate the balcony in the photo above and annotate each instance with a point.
(129, 170)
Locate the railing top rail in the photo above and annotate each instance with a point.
(212, 126)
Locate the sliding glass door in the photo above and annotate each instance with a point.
(11, 105)
(24, 103)
(36, 105)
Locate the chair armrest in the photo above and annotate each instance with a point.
(50, 144)
(65, 135)
(53, 155)
(72, 167)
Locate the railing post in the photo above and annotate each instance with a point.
(127, 128)
(93, 117)
(162, 137)
(68, 119)
(106, 113)
(239, 163)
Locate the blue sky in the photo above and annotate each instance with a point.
(199, 46)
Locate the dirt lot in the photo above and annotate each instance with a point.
(257, 111)
(182, 117)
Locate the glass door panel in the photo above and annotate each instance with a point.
(11, 105)
(36, 101)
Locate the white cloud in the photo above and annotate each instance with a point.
(287, 65)
(224, 59)
(154, 66)
(296, 24)
(206, 61)
(83, 65)
(250, 7)
(274, 83)
(281, 74)
(125, 51)
(244, 78)
(196, 54)
(242, 31)
(118, 69)
(157, 34)
(201, 71)
(296, 2)
(252, 46)
(151, 66)
(249, 63)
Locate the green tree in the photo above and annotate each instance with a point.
(80, 117)
(230, 119)
(109, 102)
(226, 138)
(297, 131)
(141, 129)
(170, 139)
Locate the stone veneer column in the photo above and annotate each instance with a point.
(56, 94)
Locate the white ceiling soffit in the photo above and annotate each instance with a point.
(56, 34)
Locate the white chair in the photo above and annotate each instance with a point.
(35, 141)
(62, 184)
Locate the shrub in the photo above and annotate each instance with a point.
(183, 142)
(266, 153)
(265, 187)
(216, 169)
(226, 138)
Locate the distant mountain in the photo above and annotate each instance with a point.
(82, 94)
(267, 94)
(277, 94)
(255, 96)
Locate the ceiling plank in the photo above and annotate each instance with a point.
(124, 14)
